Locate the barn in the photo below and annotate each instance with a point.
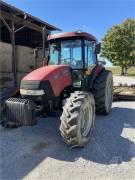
(23, 46)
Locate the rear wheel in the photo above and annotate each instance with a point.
(77, 119)
(103, 92)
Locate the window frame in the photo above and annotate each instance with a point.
(82, 51)
(94, 56)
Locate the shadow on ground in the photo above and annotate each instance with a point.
(24, 148)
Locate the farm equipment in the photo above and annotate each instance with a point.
(72, 78)
(124, 92)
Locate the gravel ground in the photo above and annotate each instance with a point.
(37, 152)
(123, 80)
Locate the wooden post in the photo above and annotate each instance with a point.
(14, 65)
(44, 34)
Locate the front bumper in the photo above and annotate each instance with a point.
(36, 89)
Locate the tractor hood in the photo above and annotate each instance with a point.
(47, 79)
(46, 73)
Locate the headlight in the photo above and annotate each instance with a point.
(32, 92)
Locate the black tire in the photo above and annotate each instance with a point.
(103, 92)
(77, 119)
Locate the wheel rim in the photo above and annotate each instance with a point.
(87, 119)
(109, 96)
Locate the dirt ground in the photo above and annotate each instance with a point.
(38, 153)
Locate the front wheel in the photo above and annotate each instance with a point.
(77, 119)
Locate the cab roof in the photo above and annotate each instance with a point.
(75, 34)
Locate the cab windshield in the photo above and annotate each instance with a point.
(66, 52)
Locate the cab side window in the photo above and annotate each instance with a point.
(90, 56)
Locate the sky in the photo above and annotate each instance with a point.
(93, 16)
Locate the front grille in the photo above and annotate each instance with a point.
(30, 84)
(38, 85)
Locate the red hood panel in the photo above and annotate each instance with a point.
(45, 72)
(59, 77)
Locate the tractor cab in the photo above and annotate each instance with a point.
(76, 49)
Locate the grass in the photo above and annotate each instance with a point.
(116, 70)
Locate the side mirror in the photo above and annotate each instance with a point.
(97, 48)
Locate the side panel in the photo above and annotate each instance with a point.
(60, 79)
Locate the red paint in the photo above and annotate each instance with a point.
(58, 75)
(98, 69)
(85, 35)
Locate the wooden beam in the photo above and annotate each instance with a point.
(21, 21)
(16, 30)
(6, 24)
(44, 40)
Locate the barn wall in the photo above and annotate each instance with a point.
(25, 63)
(25, 59)
(5, 57)
(6, 75)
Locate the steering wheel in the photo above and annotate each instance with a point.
(73, 62)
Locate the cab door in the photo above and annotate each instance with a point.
(90, 56)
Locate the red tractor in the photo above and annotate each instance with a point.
(72, 78)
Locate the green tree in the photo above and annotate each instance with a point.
(118, 45)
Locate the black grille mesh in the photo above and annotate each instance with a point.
(21, 111)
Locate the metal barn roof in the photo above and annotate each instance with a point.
(27, 19)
